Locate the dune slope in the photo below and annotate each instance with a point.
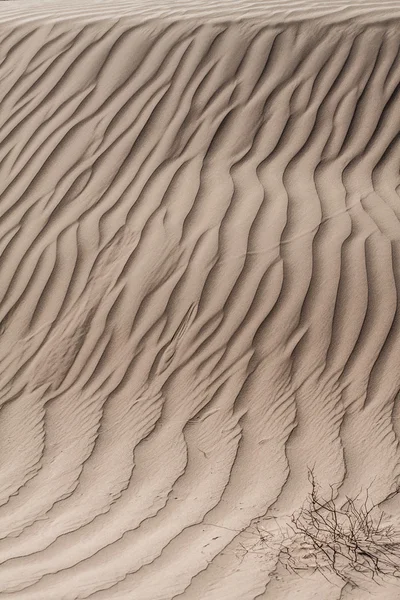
(199, 289)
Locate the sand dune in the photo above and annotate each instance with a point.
(199, 289)
(278, 11)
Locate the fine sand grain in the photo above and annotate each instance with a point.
(199, 290)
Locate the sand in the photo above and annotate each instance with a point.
(199, 290)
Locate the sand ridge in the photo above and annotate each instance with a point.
(199, 240)
(275, 11)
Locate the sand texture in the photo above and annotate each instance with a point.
(199, 290)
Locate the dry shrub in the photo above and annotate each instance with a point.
(350, 541)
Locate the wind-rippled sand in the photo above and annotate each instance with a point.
(199, 289)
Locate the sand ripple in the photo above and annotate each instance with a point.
(199, 239)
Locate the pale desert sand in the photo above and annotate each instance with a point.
(199, 290)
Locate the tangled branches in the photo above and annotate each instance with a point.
(348, 541)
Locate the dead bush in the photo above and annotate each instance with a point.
(349, 541)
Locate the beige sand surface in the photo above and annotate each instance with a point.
(199, 290)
